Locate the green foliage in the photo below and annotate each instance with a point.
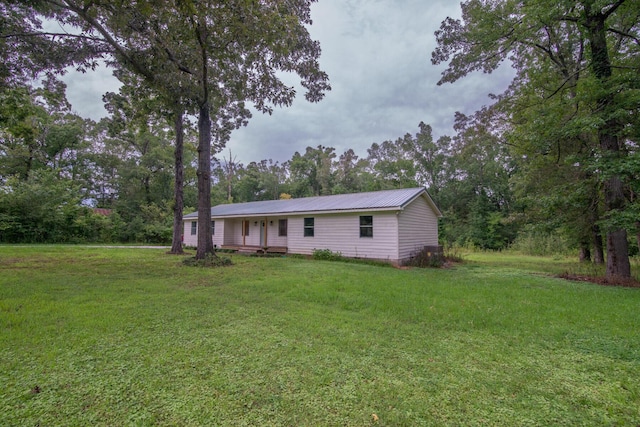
(210, 260)
(427, 258)
(41, 209)
(531, 242)
(327, 255)
(572, 100)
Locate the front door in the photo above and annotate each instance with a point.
(263, 233)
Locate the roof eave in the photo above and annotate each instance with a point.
(315, 212)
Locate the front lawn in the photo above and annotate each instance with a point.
(100, 336)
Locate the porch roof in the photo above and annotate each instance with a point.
(370, 201)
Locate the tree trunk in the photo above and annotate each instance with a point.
(618, 255)
(618, 264)
(205, 242)
(178, 193)
(596, 234)
(617, 247)
(585, 253)
(598, 250)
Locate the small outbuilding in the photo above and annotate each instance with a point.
(388, 225)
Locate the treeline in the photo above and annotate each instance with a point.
(56, 168)
(68, 179)
(467, 175)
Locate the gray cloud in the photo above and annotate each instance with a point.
(378, 57)
(85, 90)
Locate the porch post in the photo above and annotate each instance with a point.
(266, 233)
(244, 233)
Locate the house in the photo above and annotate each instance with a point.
(389, 225)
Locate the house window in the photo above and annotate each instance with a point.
(194, 228)
(245, 228)
(213, 228)
(366, 226)
(282, 228)
(308, 227)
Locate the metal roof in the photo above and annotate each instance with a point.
(375, 200)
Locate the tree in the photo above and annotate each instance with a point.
(29, 50)
(140, 139)
(38, 131)
(394, 163)
(475, 193)
(430, 158)
(311, 174)
(216, 55)
(572, 44)
(349, 172)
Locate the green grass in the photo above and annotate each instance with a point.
(555, 265)
(96, 336)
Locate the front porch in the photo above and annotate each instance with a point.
(253, 235)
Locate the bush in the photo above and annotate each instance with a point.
(210, 260)
(540, 244)
(327, 255)
(429, 256)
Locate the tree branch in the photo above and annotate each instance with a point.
(107, 37)
(613, 8)
(65, 35)
(623, 34)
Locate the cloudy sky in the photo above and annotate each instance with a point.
(378, 57)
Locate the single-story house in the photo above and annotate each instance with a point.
(389, 225)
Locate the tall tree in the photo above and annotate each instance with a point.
(475, 194)
(38, 130)
(217, 55)
(235, 50)
(311, 173)
(535, 35)
(349, 172)
(394, 162)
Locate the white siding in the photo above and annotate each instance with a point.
(272, 233)
(418, 227)
(341, 233)
(188, 239)
(218, 236)
(230, 232)
(192, 239)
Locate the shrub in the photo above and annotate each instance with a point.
(540, 244)
(210, 260)
(429, 256)
(327, 255)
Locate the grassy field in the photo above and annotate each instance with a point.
(97, 336)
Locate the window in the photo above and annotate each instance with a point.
(245, 228)
(308, 227)
(282, 228)
(194, 227)
(213, 228)
(366, 226)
